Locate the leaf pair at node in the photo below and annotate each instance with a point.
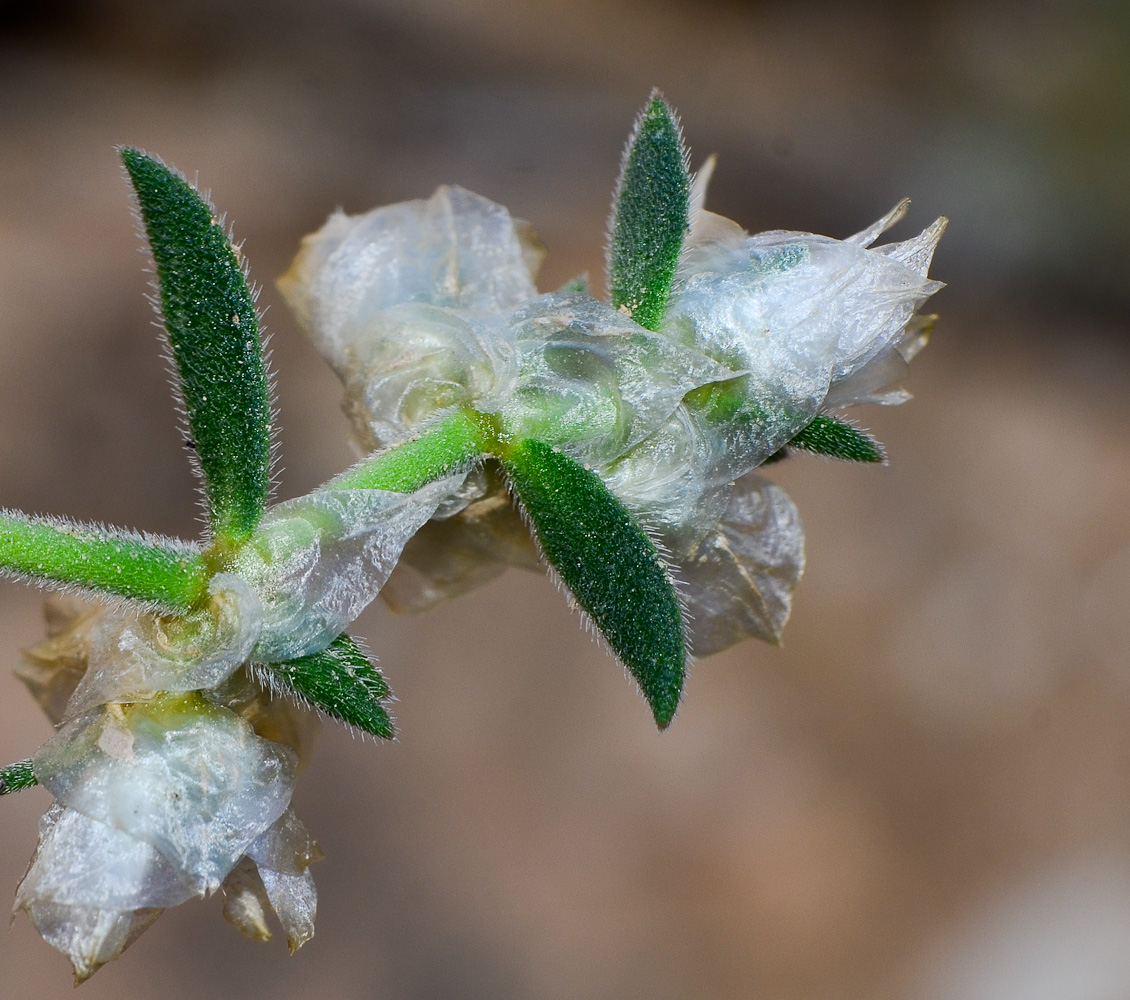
(650, 221)
(213, 329)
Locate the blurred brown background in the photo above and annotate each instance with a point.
(926, 793)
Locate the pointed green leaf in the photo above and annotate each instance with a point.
(836, 438)
(16, 777)
(609, 564)
(649, 215)
(209, 313)
(340, 681)
(157, 570)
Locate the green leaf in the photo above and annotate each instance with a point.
(16, 777)
(209, 313)
(649, 215)
(340, 681)
(836, 438)
(609, 564)
(154, 570)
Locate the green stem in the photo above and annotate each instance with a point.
(453, 442)
(16, 777)
(157, 572)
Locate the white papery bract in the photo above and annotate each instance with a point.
(456, 250)
(738, 581)
(417, 361)
(803, 314)
(429, 306)
(319, 560)
(361, 287)
(592, 382)
(670, 480)
(188, 777)
(274, 875)
(134, 656)
(156, 803)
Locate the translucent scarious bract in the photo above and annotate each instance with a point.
(155, 803)
(594, 382)
(451, 556)
(273, 877)
(87, 863)
(188, 777)
(423, 361)
(805, 315)
(134, 657)
(408, 304)
(209, 314)
(739, 580)
(318, 561)
(455, 250)
(53, 668)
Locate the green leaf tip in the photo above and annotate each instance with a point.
(16, 777)
(610, 566)
(649, 215)
(340, 681)
(836, 438)
(213, 328)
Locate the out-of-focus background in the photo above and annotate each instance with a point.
(926, 792)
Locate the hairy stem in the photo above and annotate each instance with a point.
(126, 565)
(454, 442)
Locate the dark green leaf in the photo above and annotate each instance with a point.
(836, 438)
(609, 564)
(213, 329)
(16, 777)
(649, 215)
(340, 681)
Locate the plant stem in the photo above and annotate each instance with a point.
(122, 564)
(455, 441)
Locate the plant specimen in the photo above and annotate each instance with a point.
(615, 442)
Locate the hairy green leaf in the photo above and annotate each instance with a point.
(649, 215)
(16, 777)
(609, 564)
(145, 569)
(836, 438)
(340, 681)
(209, 313)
